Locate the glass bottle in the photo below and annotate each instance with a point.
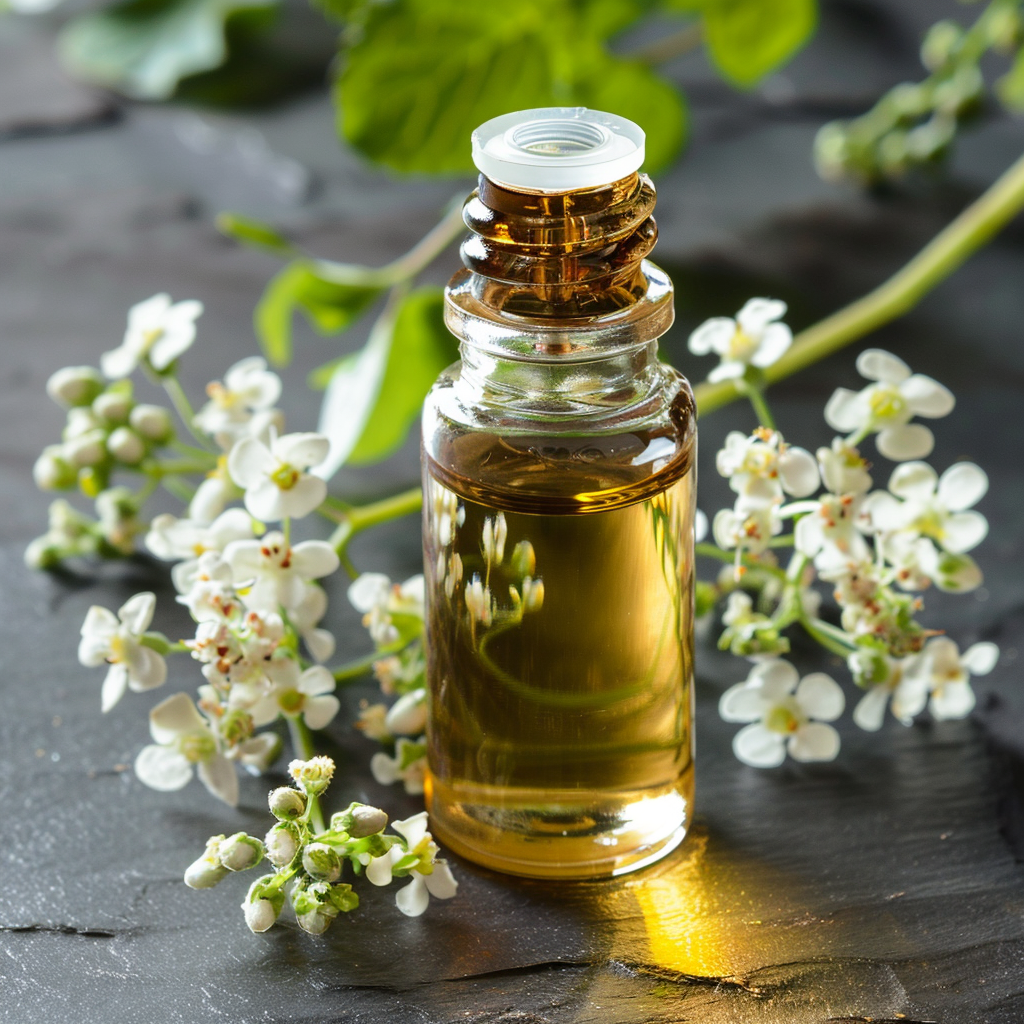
(559, 474)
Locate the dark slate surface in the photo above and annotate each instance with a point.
(878, 887)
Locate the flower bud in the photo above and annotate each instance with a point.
(321, 862)
(153, 422)
(126, 446)
(263, 903)
(67, 522)
(86, 450)
(52, 471)
(869, 667)
(940, 45)
(315, 922)
(287, 803)
(524, 560)
(408, 715)
(314, 775)
(207, 871)
(113, 405)
(282, 843)
(75, 385)
(43, 553)
(240, 851)
(533, 594)
(314, 909)
(236, 726)
(359, 820)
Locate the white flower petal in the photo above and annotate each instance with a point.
(320, 643)
(413, 898)
(316, 681)
(774, 342)
(713, 335)
(118, 362)
(209, 500)
(913, 481)
(162, 768)
(961, 486)
(876, 364)
(870, 710)
(147, 669)
(171, 344)
(412, 829)
(757, 314)
(798, 470)
(729, 369)
(301, 499)
(114, 685)
(951, 701)
(907, 441)
(741, 703)
(320, 711)
(314, 558)
(980, 659)
(265, 501)
(174, 716)
(820, 697)
(776, 678)
(244, 557)
(700, 525)
(149, 312)
(368, 591)
(910, 697)
(963, 531)
(881, 512)
(384, 769)
(441, 883)
(250, 462)
(302, 450)
(378, 871)
(809, 535)
(137, 612)
(759, 747)
(218, 775)
(814, 742)
(844, 410)
(927, 397)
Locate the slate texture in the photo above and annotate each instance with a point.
(876, 888)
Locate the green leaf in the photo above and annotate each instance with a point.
(375, 396)
(748, 39)
(1010, 88)
(329, 307)
(253, 232)
(424, 73)
(143, 48)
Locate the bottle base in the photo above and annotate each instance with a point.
(570, 834)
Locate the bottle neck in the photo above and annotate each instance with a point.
(557, 299)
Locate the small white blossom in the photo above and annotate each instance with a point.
(249, 389)
(304, 617)
(408, 766)
(494, 535)
(371, 722)
(275, 480)
(153, 422)
(888, 405)
(184, 743)
(206, 587)
(843, 469)
(746, 529)
(74, 385)
(787, 714)
(700, 525)
(308, 694)
(829, 532)
(278, 573)
(886, 679)
(408, 715)
(479, 603)
(158, 332)
(754, 338)
(379, 599)
(430, 876)
(174, 539)
(118, 640)
(948, 675)
(117, 512)
(760, 467)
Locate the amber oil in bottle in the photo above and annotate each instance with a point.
(558, 518)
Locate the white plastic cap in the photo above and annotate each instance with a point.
(557, 149)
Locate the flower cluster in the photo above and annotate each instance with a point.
(310, 860)
(877, 548)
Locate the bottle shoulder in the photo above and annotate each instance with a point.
(611, 457)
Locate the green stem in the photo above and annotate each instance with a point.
(933, 264)
(178, 488)
(834, 640)
(356, 669)
(182, 406)
(176, 467)
(362, 517)
(761, 410)
(302, 745)
(729, 557)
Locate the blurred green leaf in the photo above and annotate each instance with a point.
(1010, 88)
(254, 232)
(143, 48)
(375, 396)
(424, 73)
(748, 39)
(318, 379)
(329, 307)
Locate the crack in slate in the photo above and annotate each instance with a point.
(59, 929)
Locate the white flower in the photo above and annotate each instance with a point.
(931, 506)
(829, 533)
(408, 715)
(787, 714)
(700, 525)
(304, 617)
(239, 653)
(885, 678)
(249, 388)
(158, 332)
(760, 467)
(118, 640)
(445, 514)
(309, 694)
(379, 599)
(206, 587)
(888, 405)
(174, 539)
(279, 572)
(408, 766)
(276, 483)
(478, 601)
(184, 742)
(213, 494)
(371, 721)
(752, 339)
(843, 469)
(430, 876)
(117, 510)
(948, 673)
(747, 529)
(494, 535)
